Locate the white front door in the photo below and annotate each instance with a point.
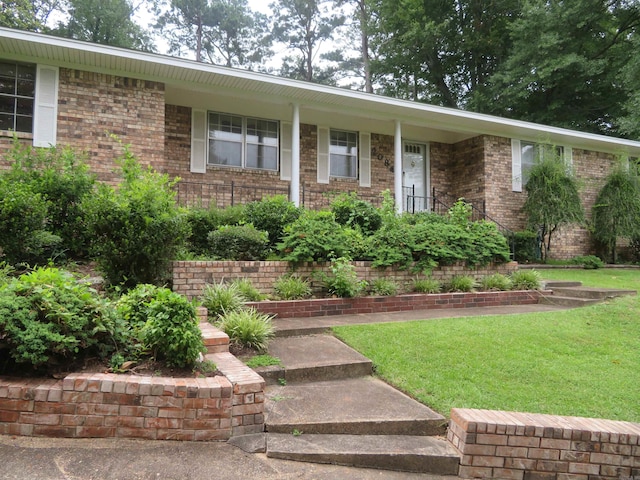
(415, 185)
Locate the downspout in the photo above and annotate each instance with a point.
(397, 166)
(295, 156)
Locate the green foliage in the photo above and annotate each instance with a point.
(24, 237)
(291, 287)
(248, 328)
(589, 262)
(6, 271)
(383, 286)
(247, 290)
(171, 331)
(496, 282)
(137, 229)
(460, 213)
(616, 213)
(343, 280)
(552, 198)
(241, 242)
(352, 212)
(426, 285)
(272, 214)
(202, 221)
(220, 298)
(460, 283)
(525, 280)
(263, 361)
(49, 319)
(525, 246)
(314, 236)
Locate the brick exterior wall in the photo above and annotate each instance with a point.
(467, 172)
(520, 446)
(190, 277)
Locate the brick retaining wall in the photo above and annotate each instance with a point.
(521, 446)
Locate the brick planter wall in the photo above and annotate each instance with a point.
(520, 446)
(351, 306)
(190, 277)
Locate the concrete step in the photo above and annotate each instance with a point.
(390, 452)
(572, 302)
(550, 284)
(355, 406)
(591, 292)
(314, 358)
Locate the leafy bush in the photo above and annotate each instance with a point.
(497, 281)
(137, 229)
(48, 319)
(291, 287)
(383, 286)
(272, 214)
(171, 331)
(238, 242)
(426, 285)
(460, 283)
(247, 290)
(589, 262)
(202, 221)
(221, 298)
(248, 328)
(525, 280)
(343, 281)
(352, 212)
(314, 236)
(525, 246)
(24, 237)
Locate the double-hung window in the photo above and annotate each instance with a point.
(17, 93)
(526, 154)
(244, 142)
(343, 154)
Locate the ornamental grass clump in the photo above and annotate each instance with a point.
(291, 287)
(525, 280)
(495, 282)
(461, 283)
(220, 298)
(248, 290)
(426, 285)
(248, 328)
(383, 287)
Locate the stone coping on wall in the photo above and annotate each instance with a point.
(102, 405)
(525, 446)
(362, 305)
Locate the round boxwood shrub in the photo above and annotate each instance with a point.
(238, 242)
(271, 215)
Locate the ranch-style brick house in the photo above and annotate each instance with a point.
(233, 135)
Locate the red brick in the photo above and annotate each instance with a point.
(53, 431)
(475, 472)
(126, 432)
(544, 454)
(9, 416)
(508, 474)
(95, 432)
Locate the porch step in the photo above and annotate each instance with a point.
(391, 452)
(355, 406)
(314, 358)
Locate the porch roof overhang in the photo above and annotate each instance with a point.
(181, 76)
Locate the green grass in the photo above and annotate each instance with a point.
(580, 362)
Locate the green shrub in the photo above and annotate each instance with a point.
(203, 221)
(525, 280)
(426, 285)
(221, 298)
(291, 287)
(272, 214)
(171, 331)
(137, 229)
(48, 319)
(525, 246)
(461, 283)
(314, 236)
(248, 328)
(238, 242)
(589, 262)
(383, 287)
(352, 212)
(24, 234)
(247, 290)
(343, 281)
(497, 281)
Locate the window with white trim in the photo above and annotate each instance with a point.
(343, 154)
(245, 142)
(526, 154)
(17, 94)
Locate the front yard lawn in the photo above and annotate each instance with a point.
(582, 362)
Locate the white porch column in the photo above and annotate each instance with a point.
(295, 155)
(397, 166)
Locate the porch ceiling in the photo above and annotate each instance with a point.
(186, 83)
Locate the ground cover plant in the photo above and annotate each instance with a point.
(574, 362)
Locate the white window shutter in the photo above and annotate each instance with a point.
(516, 165)
(45, 111)
(323, 155)
(286, 150)
(365, 159)
(198, 141)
